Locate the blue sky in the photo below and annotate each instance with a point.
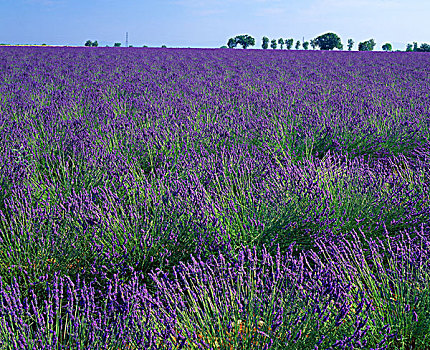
(209, 23)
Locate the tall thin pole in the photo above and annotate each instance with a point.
(126, 39)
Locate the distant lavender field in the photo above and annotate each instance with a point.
(214, 199)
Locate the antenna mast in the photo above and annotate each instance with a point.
(126, 39)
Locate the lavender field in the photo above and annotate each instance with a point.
(214, 199)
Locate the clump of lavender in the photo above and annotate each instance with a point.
(394, 274)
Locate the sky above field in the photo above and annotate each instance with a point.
(209, 23)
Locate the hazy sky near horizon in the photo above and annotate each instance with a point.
(209, 23)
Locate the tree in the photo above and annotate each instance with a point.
(95, 44)
(306, 45)
(387, 47)
(415, 46)
(281, 43)
(424, 48)
(350, 44)
(366, 45)
(298, 44)
(265, 44)
(163, 46)
(223, 47)
(231, 43)
(328, 41)
(273, 44)
(313, 44)
(245, 40)
(88, 43)
(117, 44)
(289, 43)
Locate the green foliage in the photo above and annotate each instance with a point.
(328, 41)
(231, 43)
(306, 45)
(424, 48)
(273, 44)
(244, 40)
(117, 44)
(298, 44)
(350, 44)
(163, 46)
(289, 43)
(265, 44)
(281, 43)
(387, 47)
(368, 45)
(224, 47)
(88, 43)
(313, 44)
(95, 44)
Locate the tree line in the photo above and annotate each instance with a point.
(327, 41)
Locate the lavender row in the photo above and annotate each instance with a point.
(345, 301)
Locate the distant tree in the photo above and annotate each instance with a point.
(95, 44)
(415, 46)
(265, 44)
(289, 43)
(117, 44)
(223, 47)
(298, 44)
(43, 44)
(387, 47)
(144, 46)
(130, 45)
(350, 44)
(423, 48)
(328, 41)
(281, 43)
(368, 45)
(163, 46)
(245, 40)
(409, 48)
(273, 44)
(306, 45)
(231, 43)
(88, 43)
(313, 44)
